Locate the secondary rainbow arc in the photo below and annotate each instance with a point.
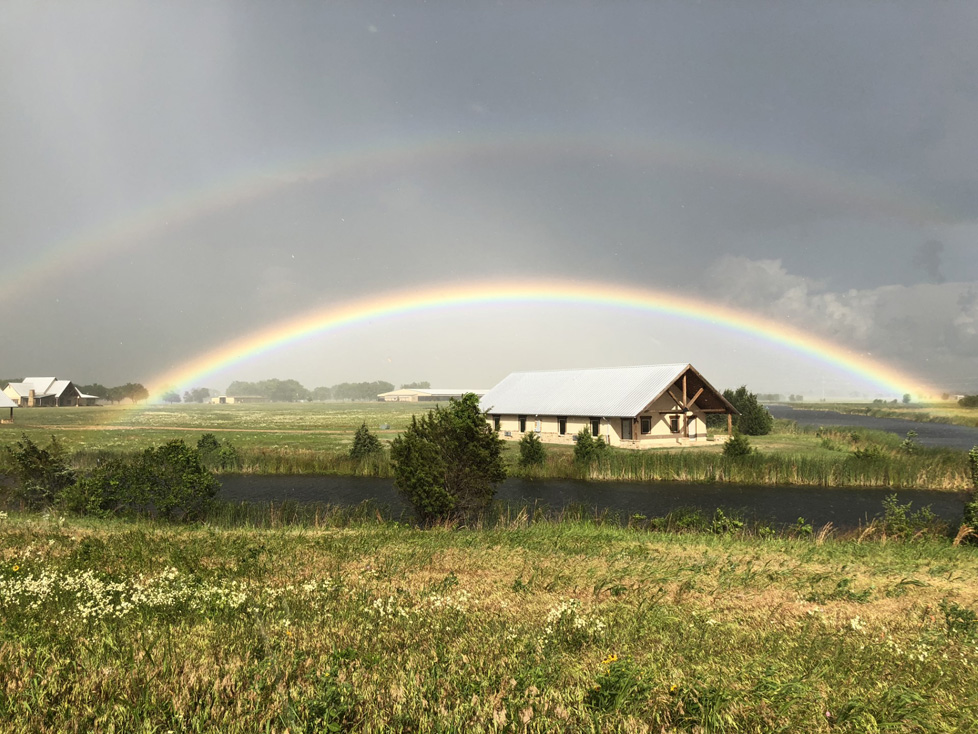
(858, 194)
(323, 320)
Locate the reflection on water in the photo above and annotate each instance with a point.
(844, 508)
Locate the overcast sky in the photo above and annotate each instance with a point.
(173, 175)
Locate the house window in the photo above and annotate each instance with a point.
(646, 425)
(537, 425)
(562, 426)
(522, 419)
(595, 426)
(495, 422)
(674, 423)
(626, 429)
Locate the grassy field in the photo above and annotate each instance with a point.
(515, 626)
(314, 438)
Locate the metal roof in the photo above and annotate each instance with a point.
(432, 391)
(612, 392)
(6, 402)
(40, 385)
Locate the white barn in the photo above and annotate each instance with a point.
(631, 407)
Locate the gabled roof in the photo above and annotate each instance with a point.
(6, 402)
(612, 392)
(42, 387)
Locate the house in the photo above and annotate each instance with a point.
(6, 402)
(238, 399)
(412, 395)
(631, 407)
(46, 392)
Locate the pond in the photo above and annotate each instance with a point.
(928, 434)
(844, 508)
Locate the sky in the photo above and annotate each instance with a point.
(177, 175)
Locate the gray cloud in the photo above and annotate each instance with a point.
(790, 159)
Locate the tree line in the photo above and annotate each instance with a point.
(134, 391)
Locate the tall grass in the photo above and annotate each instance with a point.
(563, 625)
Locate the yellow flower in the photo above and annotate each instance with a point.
(610, 659)
(16, 568)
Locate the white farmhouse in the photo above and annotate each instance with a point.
(631, 407)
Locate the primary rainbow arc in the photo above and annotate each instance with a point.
(322, 321)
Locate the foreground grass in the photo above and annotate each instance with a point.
(547, 626)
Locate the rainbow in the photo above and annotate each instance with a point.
(329, 319)
(860, 195)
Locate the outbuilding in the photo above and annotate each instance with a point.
(425, 395)
(6, 403)
(631, 407)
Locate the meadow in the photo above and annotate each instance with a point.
(314, 438)
(518, 623)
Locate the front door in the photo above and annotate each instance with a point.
(626, 429)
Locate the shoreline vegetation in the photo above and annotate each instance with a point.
(314, 439)
(350, 622)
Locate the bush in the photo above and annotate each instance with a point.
(587, 448)
(168, 481)
(532, 452)
(973, 464)
(737, 445)
(42, 474)
(365, 444)
(900, 521)
(447, 464)
(969, 401)
(214, 454)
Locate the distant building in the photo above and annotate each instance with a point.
(419, 395)
(238, 399)
(6, 402)
(47, 392)
(631, 407)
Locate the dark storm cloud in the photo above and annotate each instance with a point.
(805, 148)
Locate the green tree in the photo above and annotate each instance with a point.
(365, 444)
(422, 385)
(969, 401)
(99, 391)
(737, 445)
(321, 394)
(197, 395)
(906, 398)
(587, 447)
(171, 396)
(532, 452)
(447, 463)
(754, 418)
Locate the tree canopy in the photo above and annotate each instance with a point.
(754, 418)
(447, 463)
